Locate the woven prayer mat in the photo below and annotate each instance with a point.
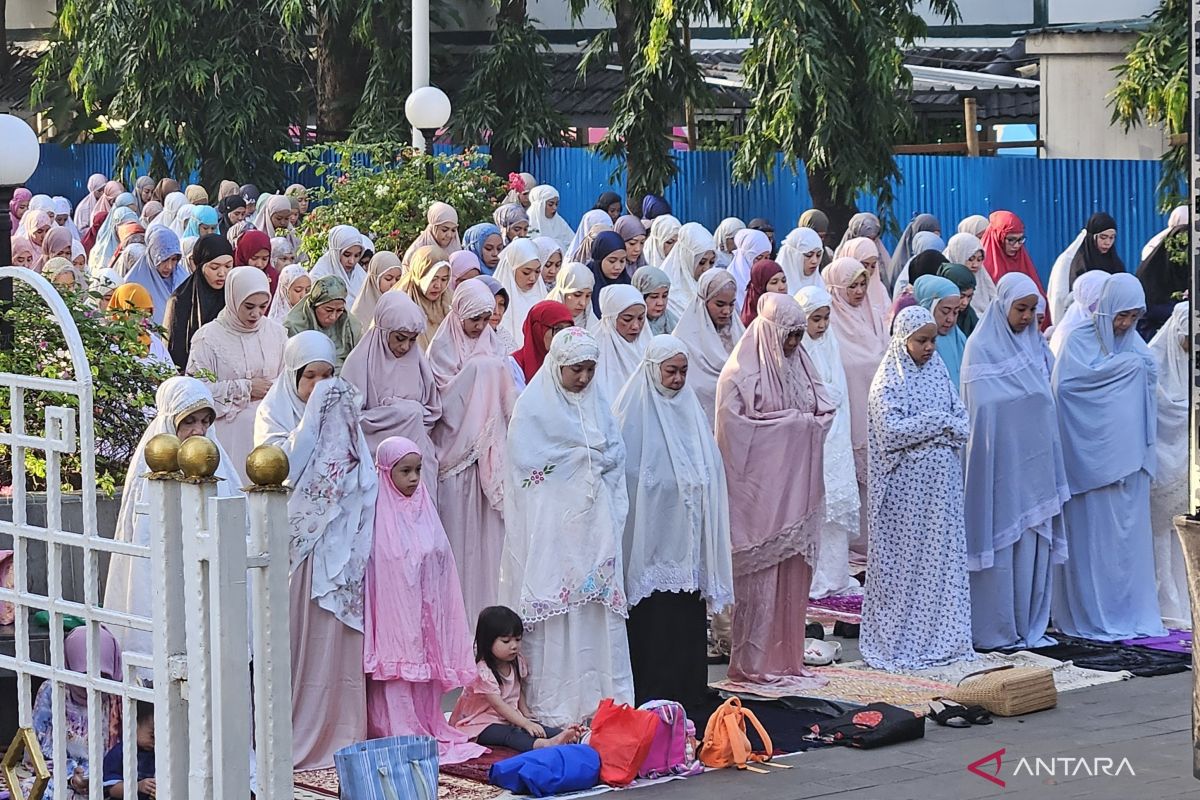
(856, 686)
(321, 784)
(1067, 676)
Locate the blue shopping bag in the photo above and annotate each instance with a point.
(393, 768)
(548, 771)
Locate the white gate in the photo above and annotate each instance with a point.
(204, 550)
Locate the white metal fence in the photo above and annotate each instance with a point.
(214, 562)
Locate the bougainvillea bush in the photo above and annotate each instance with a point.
(123, 380)
(382, 189)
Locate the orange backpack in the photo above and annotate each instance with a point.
(725, 741)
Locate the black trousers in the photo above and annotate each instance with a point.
(504, 735)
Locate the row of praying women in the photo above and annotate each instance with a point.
(614, 484)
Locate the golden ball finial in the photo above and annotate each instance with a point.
(198, 457)
(267, 465)
(162, 453)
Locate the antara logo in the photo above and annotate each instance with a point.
(990, 766)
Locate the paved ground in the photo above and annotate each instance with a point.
(1144, 720)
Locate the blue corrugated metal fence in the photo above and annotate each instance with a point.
(1053, 196)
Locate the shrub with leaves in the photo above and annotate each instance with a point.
(382, 190)
(123, 380)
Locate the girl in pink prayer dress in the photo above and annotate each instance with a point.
(418, 644)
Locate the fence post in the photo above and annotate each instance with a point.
(269, 572)
(170, 646)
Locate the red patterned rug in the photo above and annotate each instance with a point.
(321, 784)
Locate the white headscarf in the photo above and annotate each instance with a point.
(280, 304)
(673, 471)
(576, 277)
(708, 350)
(959, 250)
(749, 244)
(341, 239)
(1086, 293)
(662, 229)
(618, 358)
(726, 230)
(565, 499)
(171, 206)
(280, 411)
(1174, 377)
(518, 252)
(128, 586)
(541, 225)
(680, 265)
(1179, 216)
(597, 216)
(791, 258)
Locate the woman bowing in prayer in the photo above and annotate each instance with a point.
(184, 408)
(427, 282)
(314, 418)
(417, 640)
(622, 336)
(477, 391)
(160, 270)
(693, 255)
(1104, 382)
(324, 310)
(573, 288)
(800, 256)
(1168, 491)
(710, 328)
(655, 287)
(940, 297)
(441, 231)
(862, 341)
(197, 301)
(341, 258)
(771, 410)
(519, 272)
(1015, 485)
(674, 474)
(383, 272)
(400, 394)
(917, 604)
(565, 503)
(831, 572)
(486, 242)
(243, 352)
(544, 216)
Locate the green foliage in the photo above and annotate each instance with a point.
(123, 380)
(823, 78)
(196, 85)
(506, 101)
(382, 190)
(1152, 87)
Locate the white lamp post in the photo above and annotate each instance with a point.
(18, 159)
(427, 109)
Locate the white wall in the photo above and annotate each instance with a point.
(1076, 77)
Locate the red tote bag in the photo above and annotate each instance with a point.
(622, 735)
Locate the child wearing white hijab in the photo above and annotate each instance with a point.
(544, 223)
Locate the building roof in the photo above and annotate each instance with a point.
(16, 82)
(1136, 25)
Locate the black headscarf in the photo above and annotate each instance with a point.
(250, 192)
(1088, 257)
(226, 205)
(195, 302)
(606, 242)
(927, 262)
(962, 277)
(1161, 277)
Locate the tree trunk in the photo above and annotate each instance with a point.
(341, 75)
(504, 160)
(5, 61)
(628, 44)
(839, 213)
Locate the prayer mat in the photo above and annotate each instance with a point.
(1067, 676)
(1178, 641)
(319, 784)
(1115, 657)
(840, 608)
(478, 769)
(856, 686)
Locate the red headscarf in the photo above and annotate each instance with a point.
(760, 274)
(250, 243)
(997, 262)
(542, 317)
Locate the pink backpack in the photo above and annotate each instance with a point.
(673, 750)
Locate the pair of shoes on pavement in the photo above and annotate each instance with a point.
(819, 653)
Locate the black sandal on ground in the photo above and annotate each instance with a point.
(950, 715)
(978, 715)
(814, 630)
